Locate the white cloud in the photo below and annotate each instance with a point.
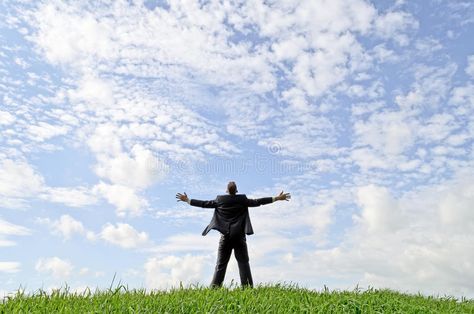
(123, 198)
(6, 118)
(302, 136)
(247, 116)
(74, 197)
(323, 165)
(9, 267)
(457, 203)
(410, 165)
(10, 229)
(43, 131)
(382, 53)
(82, 36)
(389, 132)
(367, 159)
(19, 179)
(432, 85)
(316, 76)
(470, 65)
(92, 92)
(124, 236)
(458, 139)
(290, 48)
(380, 212)
(5, 242)
(462, 97)
(54, 266)
(336, 18)
(105, 140)
(394, 24)
(438, 127)
(170, 271)
(361, 108)
(139, 171)
(296, 98)
(329, 34)
(66, 226)
(374, 91)
(386, 138)
(322, 216)
(427, 46)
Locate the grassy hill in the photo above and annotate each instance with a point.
(262, 299)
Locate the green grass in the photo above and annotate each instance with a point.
(262, 299)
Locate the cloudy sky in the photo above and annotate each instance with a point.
(363, 110)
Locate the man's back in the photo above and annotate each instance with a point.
(231, 209)
(231, 206)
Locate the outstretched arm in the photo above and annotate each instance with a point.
(193, 202)
(267, 200)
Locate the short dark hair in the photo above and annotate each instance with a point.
(231, 187)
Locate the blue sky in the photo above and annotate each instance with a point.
(362, 110)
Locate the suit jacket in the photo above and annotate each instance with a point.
(231, 214)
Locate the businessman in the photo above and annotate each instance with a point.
(231, 218)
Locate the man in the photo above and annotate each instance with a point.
(231, 219)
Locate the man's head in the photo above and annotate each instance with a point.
(232, 188)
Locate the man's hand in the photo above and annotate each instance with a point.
(182, 197)
(283, 196)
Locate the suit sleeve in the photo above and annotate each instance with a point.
(205, 204)
(254, 202)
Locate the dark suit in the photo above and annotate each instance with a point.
(231, 218)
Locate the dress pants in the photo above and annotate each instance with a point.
(238, 243)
